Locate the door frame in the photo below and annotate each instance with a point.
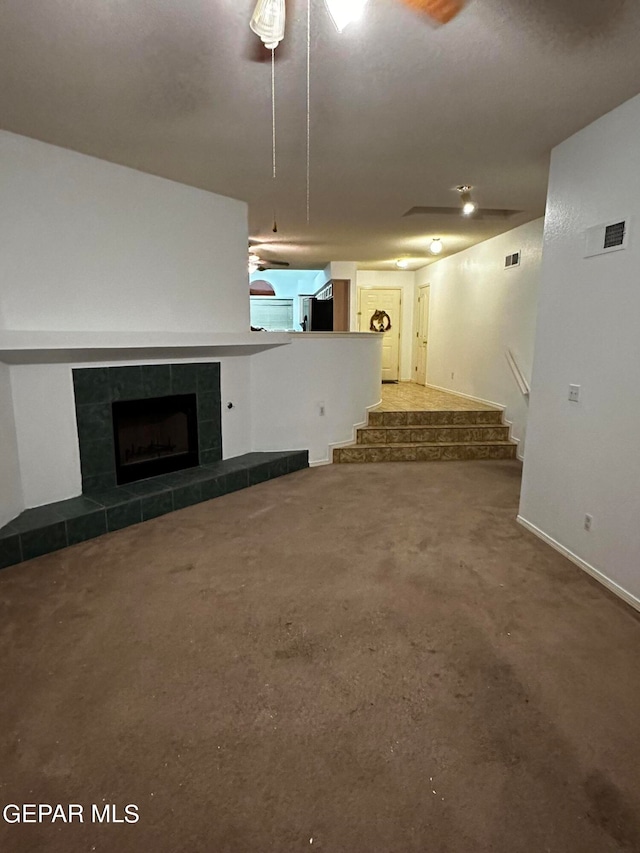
(416, 326)
(359, 289)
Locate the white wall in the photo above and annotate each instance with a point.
(338, 371)
(88, 245)
(583, 457)
(478, 310)
(47, 435)
(392, 279)
(11, 498)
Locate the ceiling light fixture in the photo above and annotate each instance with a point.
(468, 205)
(254, 262)
(268, 22)
(436, 246)
(402, 263)
(343, 12)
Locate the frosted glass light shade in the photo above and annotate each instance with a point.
(268, 22)
(343, 12)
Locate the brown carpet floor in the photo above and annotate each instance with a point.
(352, 658)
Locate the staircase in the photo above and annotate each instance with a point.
(423, 436)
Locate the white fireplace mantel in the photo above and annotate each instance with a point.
(49, 347)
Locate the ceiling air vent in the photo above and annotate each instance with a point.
(512, 260)
(602, 239)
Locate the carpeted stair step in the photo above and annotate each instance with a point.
(466, 417)
(425, 452)
(456, 434)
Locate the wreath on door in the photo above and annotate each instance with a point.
(380, 321)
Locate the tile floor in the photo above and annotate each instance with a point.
(409, 397)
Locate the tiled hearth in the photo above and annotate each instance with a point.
(44, 529)
(104, 507)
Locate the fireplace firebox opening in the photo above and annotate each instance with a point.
(154, 436)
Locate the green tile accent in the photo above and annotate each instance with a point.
(126, 382)
(147, 487)
(209, 457)
(75, 507)
(209, 378)
(91, 385)
(98, 482)
(298, 461)
(95, 423)
(208, 407)
(259, 473)
(236, 480)
(8, 530)
(187, 495)
(156, 380)
(86, 526)
(112, 497)
(158, 504)
(10, 552)
(278, 467)
(208, 435)
(96, 457)
(184, 378)
(34, 519)
(212, 488)
(44, 540)
(124, 515)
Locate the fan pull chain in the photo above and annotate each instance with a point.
(308, 109)
(273, 134)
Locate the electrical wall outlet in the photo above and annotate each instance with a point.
(574, 393)
(588, 521)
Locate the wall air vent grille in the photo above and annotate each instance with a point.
(614, 235)
(602, 239)
(512, 260)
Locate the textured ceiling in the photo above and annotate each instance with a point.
(401, 111)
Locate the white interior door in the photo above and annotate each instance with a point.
(373, 303)
(422, 335)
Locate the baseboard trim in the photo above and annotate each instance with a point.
(348, 441)
(519, 456)
(612, 586)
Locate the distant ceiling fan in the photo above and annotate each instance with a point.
(260, 264)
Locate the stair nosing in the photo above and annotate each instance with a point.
(488, 443)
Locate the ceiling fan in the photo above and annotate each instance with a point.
(260, 264)
(268, 19)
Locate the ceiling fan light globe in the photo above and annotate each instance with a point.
(268, 21)
(469, 207)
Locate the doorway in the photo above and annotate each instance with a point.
(373, 304)
(421, 339)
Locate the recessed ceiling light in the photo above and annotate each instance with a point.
(402, 263)
(468, 204)
(436, 246)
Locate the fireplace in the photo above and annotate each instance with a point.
(154, 436)
(181, 403)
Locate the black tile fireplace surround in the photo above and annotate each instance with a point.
(98, 388)
(104, 507)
